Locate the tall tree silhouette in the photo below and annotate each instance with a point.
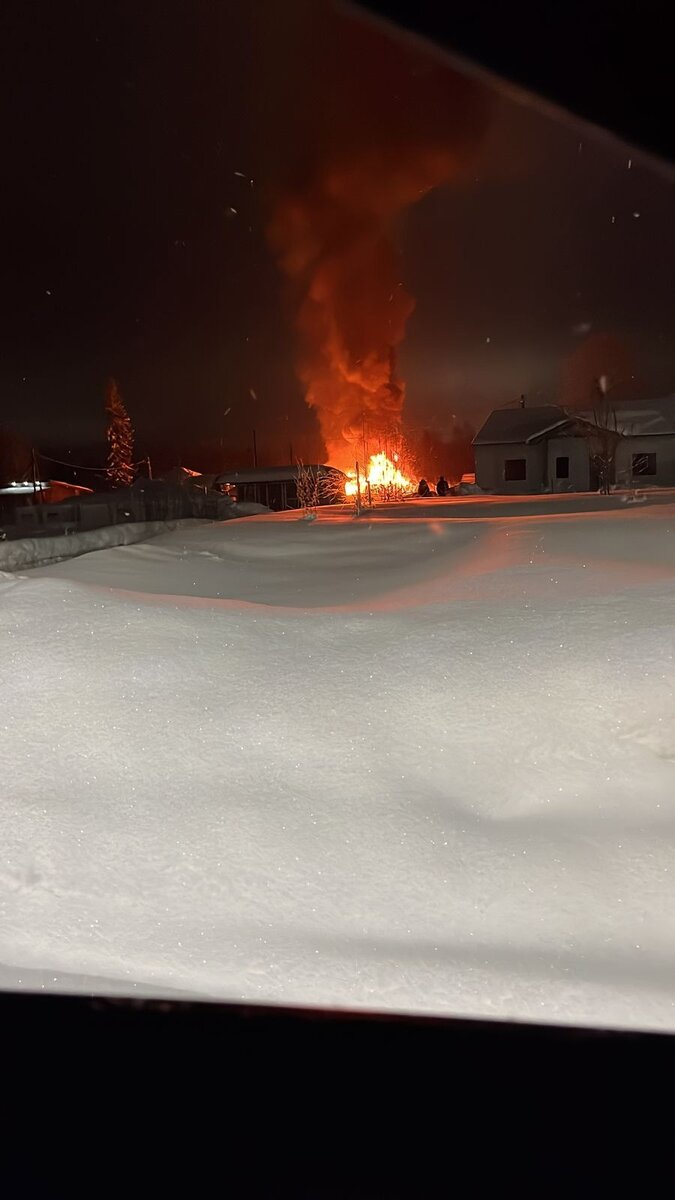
(120, 438)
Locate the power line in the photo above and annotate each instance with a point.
(63, 463)
(80, 466)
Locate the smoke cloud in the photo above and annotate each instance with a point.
(376, 125)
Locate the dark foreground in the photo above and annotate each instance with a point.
(119, 1097)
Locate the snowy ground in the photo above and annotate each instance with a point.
(424, 761)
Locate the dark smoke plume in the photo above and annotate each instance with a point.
(375, 124)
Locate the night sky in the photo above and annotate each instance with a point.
(125, 127)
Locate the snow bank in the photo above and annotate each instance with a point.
(26, 553)
(33, 552)
(248, 508)
(419, 764)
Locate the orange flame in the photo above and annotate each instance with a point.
(384, 477)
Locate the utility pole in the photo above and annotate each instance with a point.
(255, 450)
(36, 491)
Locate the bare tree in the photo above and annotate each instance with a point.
(332, 486)
(603, 432)
(315, 487)
(307, 486)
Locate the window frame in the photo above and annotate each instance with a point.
(511, 478)
(648, 457)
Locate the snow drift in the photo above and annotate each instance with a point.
(34, 552)
(25, 553)
(398, 763)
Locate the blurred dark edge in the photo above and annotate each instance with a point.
(120, 1097)
(609, 64)
(103, 1096)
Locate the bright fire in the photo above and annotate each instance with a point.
(383, 477)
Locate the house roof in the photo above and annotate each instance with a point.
(515, 426)
(642, 418)
(505, 426)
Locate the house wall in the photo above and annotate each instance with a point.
(576, 449)
(490, 468)
(664, 449)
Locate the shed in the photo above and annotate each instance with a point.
(277, 487)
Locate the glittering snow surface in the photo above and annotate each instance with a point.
(413, 761)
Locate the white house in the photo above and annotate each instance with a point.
(548, 449)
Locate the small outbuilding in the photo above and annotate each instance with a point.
(281, 488)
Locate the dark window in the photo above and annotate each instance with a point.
(562, 467)
(644, 464)
(514, 468)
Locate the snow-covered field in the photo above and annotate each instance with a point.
(413, 761)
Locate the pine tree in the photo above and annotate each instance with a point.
(120, 439)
